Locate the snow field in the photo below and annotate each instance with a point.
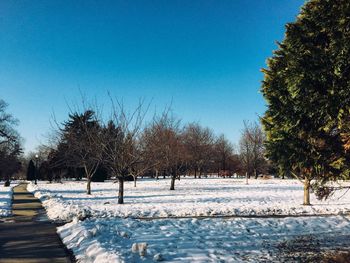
(111, 232)
(192, 197)
(203, 240)
(6, 200)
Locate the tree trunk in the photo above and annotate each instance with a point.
(255, 174)
(36, 170)
(172, 185)
(88, 177)
(195, 173)
(135, 178)
(157, 174)
(306, 192)
(121, 191)
(246, 177)
(88, 186)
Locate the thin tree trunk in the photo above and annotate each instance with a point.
(246, 177)
(255, 174)
(306, 192)
(195, 173)
(35, 178)
(157, 174)
(121, 191)
(88, 177)
(135, 178)
(88, 186)
(172, 185)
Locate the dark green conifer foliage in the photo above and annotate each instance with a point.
(307, 90)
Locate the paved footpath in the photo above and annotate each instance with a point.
(28, 236)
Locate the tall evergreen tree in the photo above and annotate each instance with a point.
(307, 89)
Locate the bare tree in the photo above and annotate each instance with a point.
(142, 163)
(8, 134)
(152, 148)
(252, 149)
(199, 143)
(10, 144)
(81, 140)
(224, 152)
(165, 144)
(9, 160)
(122, 154)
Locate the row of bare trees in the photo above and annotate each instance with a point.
(126, 146)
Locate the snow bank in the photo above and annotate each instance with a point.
(206, 240)
(84, 244)
(6, 200)
(56, 207)
(192, 197)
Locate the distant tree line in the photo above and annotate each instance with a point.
(126, 147)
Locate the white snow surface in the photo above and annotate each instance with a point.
(192, 197)
(6, 199)
(206, 240)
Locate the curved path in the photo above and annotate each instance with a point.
(28, 236)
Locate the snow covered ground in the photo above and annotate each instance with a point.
(6, 199)
(301, 239)
(192, 197)
(112, 232)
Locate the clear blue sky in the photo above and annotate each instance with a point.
(205, 56)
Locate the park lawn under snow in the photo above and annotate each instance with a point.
(110, 231)
(192, 197)
(301, 239)
(5, 200)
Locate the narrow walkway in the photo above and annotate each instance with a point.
(28, 236)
